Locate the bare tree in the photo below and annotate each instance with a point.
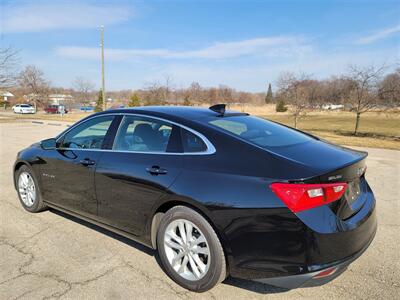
(389, 89)
(8, 64)
(153, 93)
(296, 90)
(365, 89)
(32, 80)
(335, 90)
(225, 93)
(195, 92)
(242, 98)
(168, 88)
(213, 96)
(84, 88)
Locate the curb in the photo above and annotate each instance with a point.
(51, 124)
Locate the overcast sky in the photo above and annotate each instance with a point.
(244, 44)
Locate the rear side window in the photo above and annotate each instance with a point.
(191, 142)
(260, 132)
(142, 134)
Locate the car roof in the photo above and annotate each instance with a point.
(184, 112)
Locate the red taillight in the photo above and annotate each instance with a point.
(325, 273)
(299, 197)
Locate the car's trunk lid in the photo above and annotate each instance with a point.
(319, 156)
(331, 164)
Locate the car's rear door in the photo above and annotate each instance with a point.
(131, 177)
(68, 171)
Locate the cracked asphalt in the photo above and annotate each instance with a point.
(52, 256)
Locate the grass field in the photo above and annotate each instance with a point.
(377, 130)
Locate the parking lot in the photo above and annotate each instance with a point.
(52, 256)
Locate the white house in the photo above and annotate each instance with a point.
(332, 106)
(5, 95)
(57, 99)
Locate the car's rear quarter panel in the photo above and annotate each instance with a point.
(261, 236)
(232, 189)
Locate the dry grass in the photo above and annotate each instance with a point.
(70, 117)
(377, 130)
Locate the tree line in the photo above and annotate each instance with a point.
(360, 89)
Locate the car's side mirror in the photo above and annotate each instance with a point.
(49, 144)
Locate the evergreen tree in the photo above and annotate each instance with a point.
(186, 101)
(99, 103)
(269, 96)
(134, 100)
(281, 106)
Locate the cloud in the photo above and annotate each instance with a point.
(249, 74)
(44, 16)
(245, 64)
(267, 46)
(259, 46)
(378, 35)
(255, 77)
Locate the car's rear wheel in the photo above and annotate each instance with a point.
(28, 190)
(190, 250)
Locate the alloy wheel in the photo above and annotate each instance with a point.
(187, 249)
(27, 189)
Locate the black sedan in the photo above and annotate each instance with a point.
(216, 192)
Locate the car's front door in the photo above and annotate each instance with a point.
(68, 171)
(141, 167)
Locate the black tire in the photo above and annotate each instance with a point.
(217, 269)
(38, 204)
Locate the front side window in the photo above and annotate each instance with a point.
(142, 134)
(88, 135)
(260, 132)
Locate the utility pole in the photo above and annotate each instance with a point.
(103, 85)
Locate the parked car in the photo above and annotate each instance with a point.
(332, 106)
(215, 192)
(23, 109)
(55, 109)
(87, 108)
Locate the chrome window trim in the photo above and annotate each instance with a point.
(210, 147)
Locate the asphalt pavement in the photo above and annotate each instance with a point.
(52, 256)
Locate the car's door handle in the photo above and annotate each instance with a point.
(87, 162)
(156, 170)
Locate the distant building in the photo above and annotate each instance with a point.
(332, 106)
(5, 95)
(57, 99)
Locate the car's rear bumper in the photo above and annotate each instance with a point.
(322, 274)
(266, 244)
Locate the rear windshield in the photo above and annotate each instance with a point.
(260, 132)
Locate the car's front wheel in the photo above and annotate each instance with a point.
(190, 250)
(28, 190)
